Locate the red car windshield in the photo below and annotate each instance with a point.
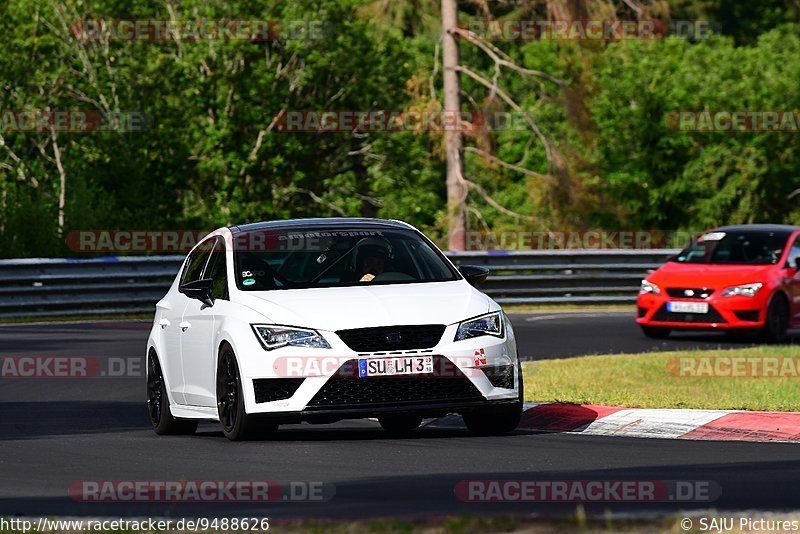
(748, 247)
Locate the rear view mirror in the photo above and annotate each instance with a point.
(200, 290)
(474, 274)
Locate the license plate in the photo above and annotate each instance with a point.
(399, 365)
(687, 307)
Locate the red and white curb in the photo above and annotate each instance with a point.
(722, 425)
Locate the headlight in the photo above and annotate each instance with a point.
(649, 287)
(274, 337)
(746, 290)
(490, 324)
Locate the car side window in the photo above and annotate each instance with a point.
(197, 261)
(217, 271)
(794, 253)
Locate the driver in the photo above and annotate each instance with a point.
(371, 261)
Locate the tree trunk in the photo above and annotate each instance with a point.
(454, 147)
(62, 186)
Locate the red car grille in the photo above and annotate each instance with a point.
(712, 316)
(689, 292)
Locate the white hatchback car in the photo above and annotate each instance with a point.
(320, 320)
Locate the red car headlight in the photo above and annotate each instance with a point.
(746, 290)
(649, 287)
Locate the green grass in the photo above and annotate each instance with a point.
(648, 381)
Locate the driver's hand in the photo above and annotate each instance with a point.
(367, 278)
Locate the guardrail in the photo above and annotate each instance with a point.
(565, 276)
(74, 287)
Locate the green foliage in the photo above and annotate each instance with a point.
(668, 178)
(213, 153)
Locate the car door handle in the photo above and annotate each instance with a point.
(163, 323)
(185, 325)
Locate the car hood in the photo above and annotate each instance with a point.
(675, 274)
(365, 306)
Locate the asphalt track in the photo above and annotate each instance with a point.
(563, 335)
(55, 432)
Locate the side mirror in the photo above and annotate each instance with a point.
(200, 290)
(474, 274)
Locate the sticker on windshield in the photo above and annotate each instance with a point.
(711, 236)
(248, 281)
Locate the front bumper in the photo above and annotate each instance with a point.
(724, 313)
(312, 415)
(323, 385)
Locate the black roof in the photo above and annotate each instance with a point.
(757, 228)
(319, 223)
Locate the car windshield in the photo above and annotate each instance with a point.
(750, 247)
(297, 259)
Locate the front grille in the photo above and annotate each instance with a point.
(747, 315)
(712, 316)
(272, 389)
(346, 390)
(641, 312)
(501, 376)
(391, 338)
(689, 292)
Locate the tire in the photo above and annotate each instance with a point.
(158, 403)
(777, 321)
(495, 421)
(237, 425)
(400, 424)
(656, 333)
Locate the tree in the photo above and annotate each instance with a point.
(456, 187)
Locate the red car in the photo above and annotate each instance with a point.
(734, 278)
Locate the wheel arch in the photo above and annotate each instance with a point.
(779, 293)
(221, 346)
(151, 350)
(248, 398)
